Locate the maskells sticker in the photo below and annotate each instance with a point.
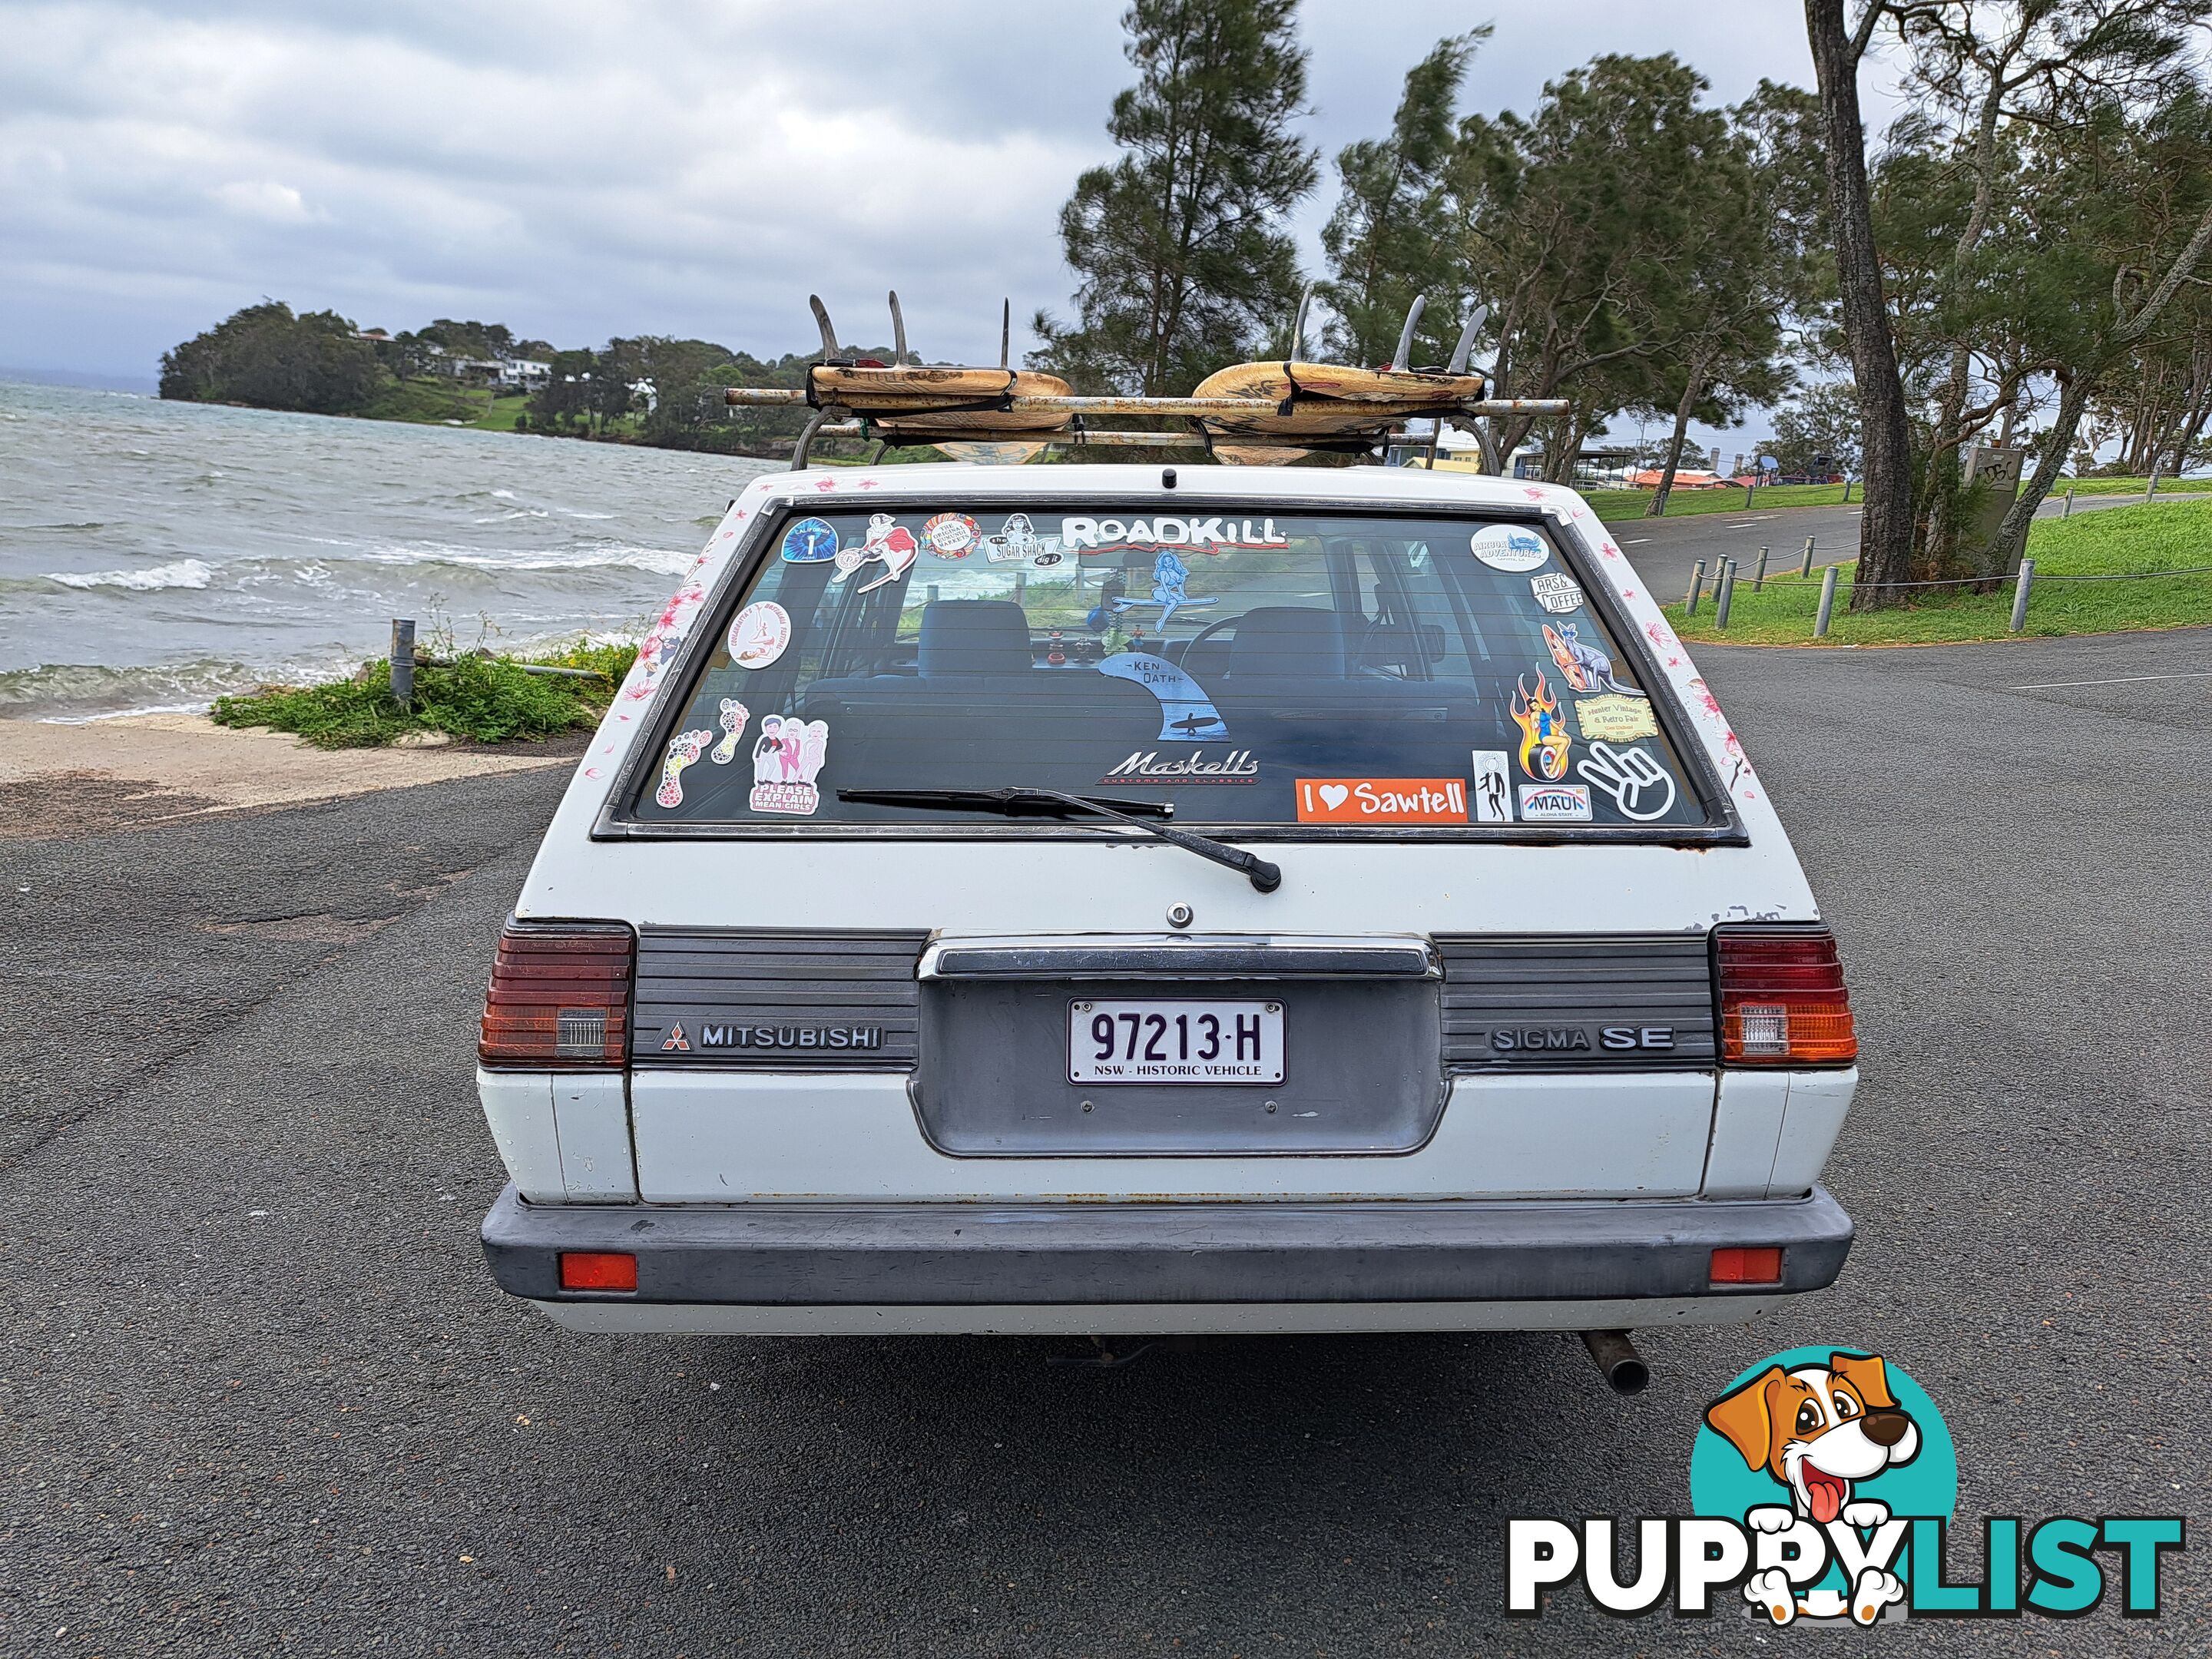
(810, 541)
(759, 634)
(1493, 788)
(1555, 803)
(1509, 547)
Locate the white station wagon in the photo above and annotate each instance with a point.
(1111, 900)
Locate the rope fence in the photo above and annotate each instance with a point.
(2024, 583)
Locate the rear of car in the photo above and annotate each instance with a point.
(855, 988)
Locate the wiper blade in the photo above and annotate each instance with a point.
(1058, 804)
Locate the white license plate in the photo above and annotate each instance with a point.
(1174, 1041)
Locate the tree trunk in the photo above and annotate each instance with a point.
(1885, 526)
(1691, 390)
(2011, 539)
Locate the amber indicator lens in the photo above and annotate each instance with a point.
(1760, 1265)
(1783, 999)
(604, 1270)
(559, 996)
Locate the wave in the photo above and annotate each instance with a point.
(81, 688)
(656, 560)
(182, 572)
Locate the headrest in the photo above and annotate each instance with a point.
(1288, 641)
(975, 636)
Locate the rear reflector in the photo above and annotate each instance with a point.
(1782, 1001)
(559, 996)
(616, 1270)
(1759, 1266)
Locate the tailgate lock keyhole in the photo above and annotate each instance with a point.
(1179, 916)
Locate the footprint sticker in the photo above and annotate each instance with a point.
(734, 716)
(682, 751)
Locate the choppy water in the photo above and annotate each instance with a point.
(153, 555)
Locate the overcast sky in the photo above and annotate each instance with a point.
(690, 167)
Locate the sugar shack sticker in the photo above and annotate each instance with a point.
(1615, 717)
(1382, 800)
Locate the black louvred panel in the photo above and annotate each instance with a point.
(774, 1000)
(1630, 1002)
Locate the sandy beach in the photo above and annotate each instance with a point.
(156, 769)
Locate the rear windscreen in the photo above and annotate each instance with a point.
(1300, 669)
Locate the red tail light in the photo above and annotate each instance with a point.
(1782, 1001)
(603, 1270)
(559, 996)
(1757, 1265)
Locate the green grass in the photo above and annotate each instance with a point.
(484, 699)
(1621, 506)
(2118, 540)
(423, 400)
(2129, 486)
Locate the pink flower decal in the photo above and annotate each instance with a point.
(1532, 493)
(825, 483)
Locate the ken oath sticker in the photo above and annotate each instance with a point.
(1509, 547)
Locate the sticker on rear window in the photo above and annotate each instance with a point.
(1186, 713)
(759, 634)
(1382, 800)
(788, 754)
(732, 718)
(1544, 738)
(1509, 547)
(1556, 592)
(1017, 539)
(810, 541)
(1639, 785)
(1587, 668)
(1555, 803)
(1493, 788)
(1616, 718)
(951, 535)
(683, 750)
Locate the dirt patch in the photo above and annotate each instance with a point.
(80, 803)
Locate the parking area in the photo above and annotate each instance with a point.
(259, 1394)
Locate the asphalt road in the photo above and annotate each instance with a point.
(1664, 549)
(259, 1396)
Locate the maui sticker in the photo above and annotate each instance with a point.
(1615, 718)
(759, 634)
(810, 541)
(889, 544)
(1016, 540)
(1509, 547)
(682, 750)
(786, 756)
(1544, 738)
(1493, 788)
(1555, 803)
(1382, 800)
(1639, 785)
(1556, 592)
(1587, 668)
(734, 715)
(1186, 713)
(951, 535)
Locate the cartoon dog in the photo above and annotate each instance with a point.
(1819, 1430)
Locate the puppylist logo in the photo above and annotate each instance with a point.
(1823, 1483)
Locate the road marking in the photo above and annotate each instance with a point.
(1636, 541)
(2125, 679)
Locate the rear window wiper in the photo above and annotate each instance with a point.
(1057, 803)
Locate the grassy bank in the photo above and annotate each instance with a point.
(1625, 505)
(486, 699)
(2120, 541)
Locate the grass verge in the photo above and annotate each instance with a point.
(2119, 541)
(483, 698)
(1625, 505)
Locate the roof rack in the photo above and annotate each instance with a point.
(1248, 414)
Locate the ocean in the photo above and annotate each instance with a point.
(153, 556)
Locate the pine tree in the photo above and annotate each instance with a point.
(1182, 261)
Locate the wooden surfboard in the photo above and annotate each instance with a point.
(1319, 399)
(914, 398)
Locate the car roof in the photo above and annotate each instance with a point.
(1353, 485)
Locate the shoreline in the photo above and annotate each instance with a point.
(133, 771)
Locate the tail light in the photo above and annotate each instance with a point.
(1782, 1001)
(559, 996)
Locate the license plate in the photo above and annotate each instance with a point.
(1174, 1041)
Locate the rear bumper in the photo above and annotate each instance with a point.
(1086, 1259)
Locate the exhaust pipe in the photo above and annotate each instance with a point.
(1617, 1361)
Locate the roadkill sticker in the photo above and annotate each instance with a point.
(1555, 803)
(1145, 766)
(1382, 800)
(1824, 1485)
(1493, 788)
(786, 756)
(1509, 547)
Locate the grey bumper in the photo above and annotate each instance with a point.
(960, 1255)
